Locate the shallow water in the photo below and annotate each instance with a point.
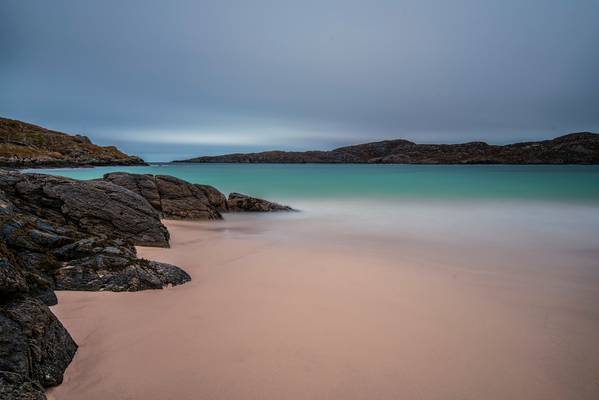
(569, 183)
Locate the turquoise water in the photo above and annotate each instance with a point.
(430, 182)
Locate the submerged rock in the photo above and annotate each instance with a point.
(238, 202)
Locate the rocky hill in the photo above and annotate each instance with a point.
(24, 145)
(574, 148)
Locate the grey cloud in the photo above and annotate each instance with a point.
(332, 72)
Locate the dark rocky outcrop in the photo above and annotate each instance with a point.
(24, 145)
(48, 256)
(62, 234)
(177, 199)
(172, 197)
(35, 348)
(575, 148)
(96, 207)
(43, 247)
(34, 343)
(114, 271)
(215, 197)
(240, 202)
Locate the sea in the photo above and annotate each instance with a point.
(549, 212)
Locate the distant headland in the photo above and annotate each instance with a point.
(23, 145)
(574, 148)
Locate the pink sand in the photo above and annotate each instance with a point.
(290, 309)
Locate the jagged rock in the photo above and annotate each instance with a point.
(142, 184)
(34, 346)
(33, 343)
(173, 198)
(240, 202)
(117, 274)
(183, 200)
(52, 257)
(215, 197)
(39, 255)
(95, 207)
(24, 145)
(178, 199)
(18, 387)
(93, 245)
(12, 280)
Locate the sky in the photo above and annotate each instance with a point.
(175, 79)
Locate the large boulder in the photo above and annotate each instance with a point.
(215, 197)
(172, 197)
(76, 262)
(240, 202)
(118, 273)
(47, 256)
(35, 348)
(33, 343)
(95, 207)
(184, 200)
(142, 184)
(175, 198)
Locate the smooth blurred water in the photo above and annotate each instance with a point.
(572, 183)
(503, 215)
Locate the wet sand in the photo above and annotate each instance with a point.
(299, 308)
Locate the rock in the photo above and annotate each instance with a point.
(18, 387)
(173, 198)
(118, 274)
(12, 281)
(45, 256)
(240, 202)
(183, 200)
(33, 343)
(142, 184)
(215, 197)
(95, 207)
(24, 145)
(47, 242)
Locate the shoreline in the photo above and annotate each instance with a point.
(287, 308)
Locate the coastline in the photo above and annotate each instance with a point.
(305, 307)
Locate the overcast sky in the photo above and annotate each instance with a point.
(172, 79)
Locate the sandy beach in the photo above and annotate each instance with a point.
(310, 307)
